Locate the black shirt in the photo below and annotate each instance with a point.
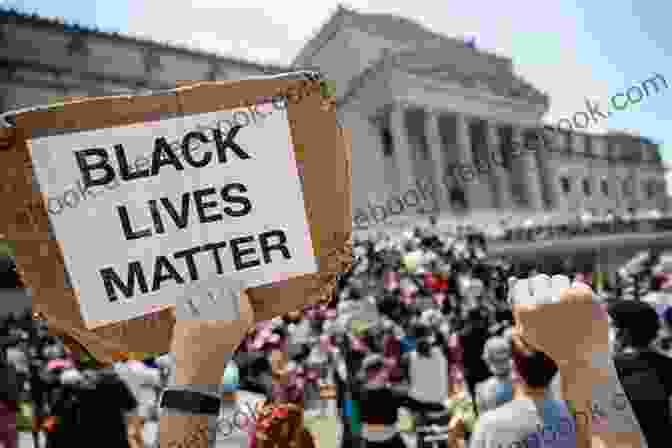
(9, 383)
(646, 377)
(101, 409)
(473, 338)
(381, 406)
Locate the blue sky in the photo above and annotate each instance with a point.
(568, 49)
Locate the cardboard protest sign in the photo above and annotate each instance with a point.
(199, 191)
(171, 222)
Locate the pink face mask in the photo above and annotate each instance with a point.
(379, 377)
(358, 345)
(325, 343)
(439, 298)
(391, 281)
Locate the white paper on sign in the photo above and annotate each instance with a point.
(161, 217)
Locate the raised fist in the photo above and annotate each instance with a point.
(565, 322)
(562, 320)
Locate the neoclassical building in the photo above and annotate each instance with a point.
(419, 105)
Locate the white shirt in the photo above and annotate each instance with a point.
(555, 388)
(429, 377)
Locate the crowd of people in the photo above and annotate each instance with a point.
(417, 344)
(52, 392)
(422, 322)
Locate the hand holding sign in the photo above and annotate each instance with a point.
(211, 319)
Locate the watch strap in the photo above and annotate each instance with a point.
(191, 402)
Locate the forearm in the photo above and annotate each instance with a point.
(192, 430)
(187, 374)
(197, 431)
(602, 408)
(181, 430)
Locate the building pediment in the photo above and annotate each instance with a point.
(507, 87)
(408, 46)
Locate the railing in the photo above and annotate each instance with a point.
(566, 231)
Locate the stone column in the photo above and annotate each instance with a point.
(438, 154)
(500, 175)
(526, 170)
(639, 193)
(466, 170)
(402, 150)
(548, 172)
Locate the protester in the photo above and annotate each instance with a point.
(428, 369)
(423, 297)
(473, 338)
(498, 389)
(645, 374)
(525, 419)
(428, 375)
(10, 389)
(666, 339)
(380, 405)
(142, 381)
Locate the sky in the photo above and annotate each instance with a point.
(569, 49)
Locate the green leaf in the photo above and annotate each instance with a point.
(327, 88)
(6, 248)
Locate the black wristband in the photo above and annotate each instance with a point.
(190, 402)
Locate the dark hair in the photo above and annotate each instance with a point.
(639, 319)
(424, 348)
(534, 367)
(667, 315)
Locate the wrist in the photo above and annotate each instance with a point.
(192, 375)
(599, 365)
(596, 387)
(213, 390)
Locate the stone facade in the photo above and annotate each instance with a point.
(43, 60)
(389, 71)
(420, 105)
